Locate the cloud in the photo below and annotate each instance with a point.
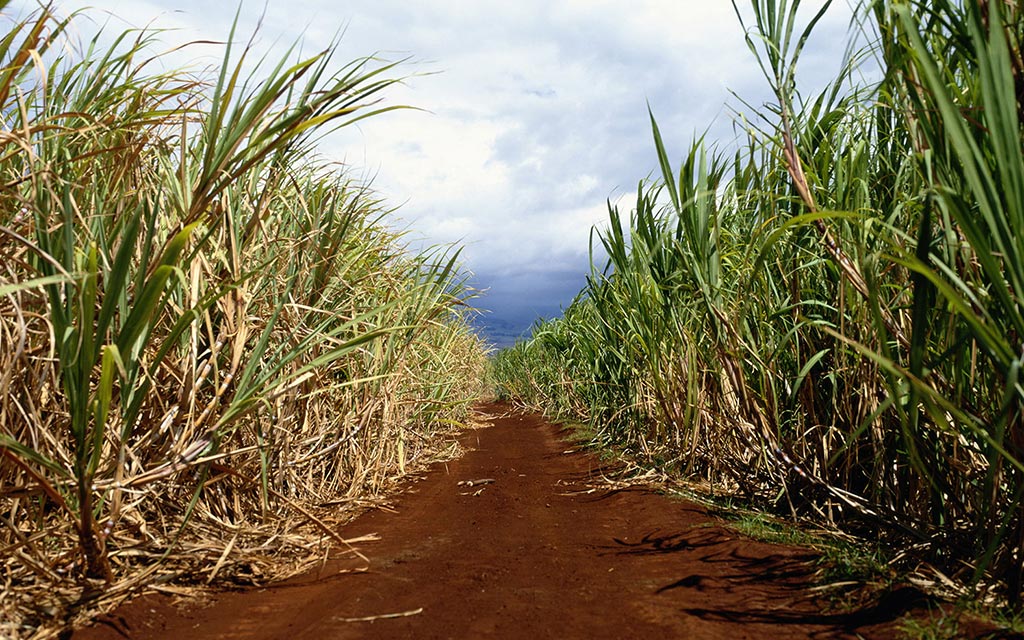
(533, 113)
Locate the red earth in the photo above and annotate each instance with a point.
(543, 550)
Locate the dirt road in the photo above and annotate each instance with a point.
(537, 553)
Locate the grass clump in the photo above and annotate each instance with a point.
(207, 330)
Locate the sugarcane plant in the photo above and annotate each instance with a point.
(829, 323)
(186, 286)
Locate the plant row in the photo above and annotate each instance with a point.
(829, 320)
(207, 331)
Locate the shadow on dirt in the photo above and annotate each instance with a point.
(889, 608)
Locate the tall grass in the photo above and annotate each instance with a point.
(828, 321)
(206, 329)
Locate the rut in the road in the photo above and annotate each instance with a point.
(541, 550)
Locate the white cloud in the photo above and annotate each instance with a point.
(538, 114)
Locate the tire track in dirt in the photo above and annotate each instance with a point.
(533, 555)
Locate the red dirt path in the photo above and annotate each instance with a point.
(532, 556)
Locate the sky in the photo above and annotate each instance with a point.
(532, 115)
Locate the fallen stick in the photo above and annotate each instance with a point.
(384, 616)
(473, 483)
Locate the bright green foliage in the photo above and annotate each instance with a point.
(830, 322)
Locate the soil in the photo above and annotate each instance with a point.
(544, 551)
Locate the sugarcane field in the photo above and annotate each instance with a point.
(552, 319)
